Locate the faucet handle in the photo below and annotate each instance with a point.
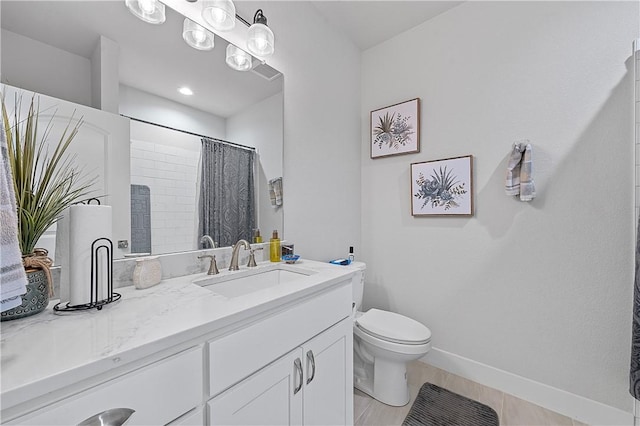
(252, 257)
(213, 267)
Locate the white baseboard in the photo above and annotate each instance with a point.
(571, 405)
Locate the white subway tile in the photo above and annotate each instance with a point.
(143, 145)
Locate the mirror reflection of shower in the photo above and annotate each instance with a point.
(173, 204)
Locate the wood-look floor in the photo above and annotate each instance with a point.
(511, 411)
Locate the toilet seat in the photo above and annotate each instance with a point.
(393, 327)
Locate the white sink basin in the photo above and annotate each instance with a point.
(239, 283)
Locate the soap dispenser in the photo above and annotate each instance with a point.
(257, 238)
(274, 247)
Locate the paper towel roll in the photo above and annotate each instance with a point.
(62, 254)
(86, 224)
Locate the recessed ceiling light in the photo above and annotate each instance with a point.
(185, 91)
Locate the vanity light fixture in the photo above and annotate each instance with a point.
(220, 14)
(185, 91)
(260, 37)
(196, 35)
(237, 58)
(151, 11)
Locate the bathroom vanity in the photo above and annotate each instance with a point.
(186, 353)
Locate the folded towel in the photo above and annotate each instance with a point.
(527, 188)
(519, 179)
(512, 185)
(13, 279)
(275, 192)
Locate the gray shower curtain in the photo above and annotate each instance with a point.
(634, 377)
(227, 208)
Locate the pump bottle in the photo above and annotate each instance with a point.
(274, 247)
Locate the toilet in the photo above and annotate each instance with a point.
(383, 343)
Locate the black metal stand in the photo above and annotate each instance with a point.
(105, 246)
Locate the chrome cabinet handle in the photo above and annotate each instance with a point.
(112, 417)
(312, 361)
(298, 365)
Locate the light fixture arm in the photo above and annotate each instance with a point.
(244, 21)
(259, 17)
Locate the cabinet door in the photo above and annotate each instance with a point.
(272, 396)
(328, 391)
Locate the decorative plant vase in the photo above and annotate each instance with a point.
(34, 301)
(147, 273)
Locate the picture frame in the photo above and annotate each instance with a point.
(442, 187)
(395, 129)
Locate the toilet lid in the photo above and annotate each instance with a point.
(393, 327)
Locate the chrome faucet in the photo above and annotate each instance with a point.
(234, 256)
(206, 238)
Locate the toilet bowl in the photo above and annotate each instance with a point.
(384, 342)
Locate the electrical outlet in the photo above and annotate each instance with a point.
(123, 244)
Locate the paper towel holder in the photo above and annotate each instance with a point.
(99, 245)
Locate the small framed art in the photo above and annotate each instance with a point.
(395, 129)
(442, 187)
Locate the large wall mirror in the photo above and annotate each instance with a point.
(51, 47)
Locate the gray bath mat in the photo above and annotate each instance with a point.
(435, 406)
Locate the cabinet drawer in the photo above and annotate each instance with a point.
(237, 355)
(159, 393)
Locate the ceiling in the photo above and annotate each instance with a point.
(368, 23)
(155, 59)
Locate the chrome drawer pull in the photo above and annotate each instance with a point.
(298, 365)
(112, 417)
(312, 361)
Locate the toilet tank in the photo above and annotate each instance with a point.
(357, 283)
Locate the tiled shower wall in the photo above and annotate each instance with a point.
(171, 174)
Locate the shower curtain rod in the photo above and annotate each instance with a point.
(237, 145)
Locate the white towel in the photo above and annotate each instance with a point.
(275, 192)
(527, 188)
(519, 179)
(512, 185)
(13, 279)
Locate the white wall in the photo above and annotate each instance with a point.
(260, 126)
(155, 109)
(321, 130)
(540, 289)
(45, 69)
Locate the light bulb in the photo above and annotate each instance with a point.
(218, 15)
(199, 36)
(261, 43)
(147, 6)
(150, 11)
(196, 35)
(238, 59)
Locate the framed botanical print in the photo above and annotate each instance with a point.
(395, 129)
(442, 187)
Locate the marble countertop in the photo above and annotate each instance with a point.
(48, 351)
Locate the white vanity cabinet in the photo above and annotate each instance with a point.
(309, 385)
(158, 393)
(294, 367)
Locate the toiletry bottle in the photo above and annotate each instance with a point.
(274, 247)
(257, 238)
(351, 257)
